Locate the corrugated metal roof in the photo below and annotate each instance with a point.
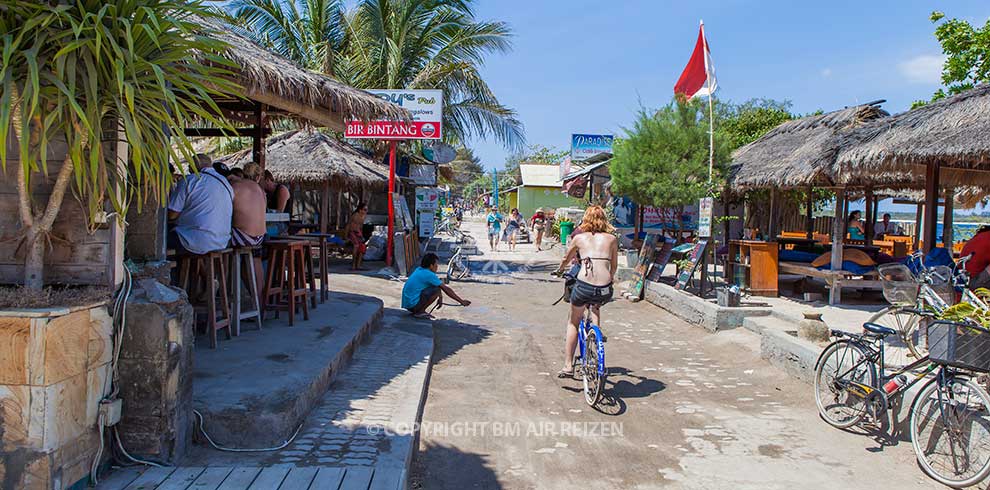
(540, 175)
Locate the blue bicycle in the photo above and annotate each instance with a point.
(591, 354)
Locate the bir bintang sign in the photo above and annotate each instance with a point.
(425, 107)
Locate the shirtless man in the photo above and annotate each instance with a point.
(598, 251)
(249, 208)
(355, 234)
(249, 215)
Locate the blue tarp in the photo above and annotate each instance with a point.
(850, 266)
(797, 256)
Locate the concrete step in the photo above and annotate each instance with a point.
(254, 390)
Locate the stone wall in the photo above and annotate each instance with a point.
(156, 371)
(54, 370)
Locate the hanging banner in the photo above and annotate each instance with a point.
(427, 223)
(705, 217)
(427, 199)
(425, 106)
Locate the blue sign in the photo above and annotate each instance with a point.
(585, 146)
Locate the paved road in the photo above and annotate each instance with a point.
(687, 409)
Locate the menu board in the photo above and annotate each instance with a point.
(661, 258)
(635, 291)
(697, 254)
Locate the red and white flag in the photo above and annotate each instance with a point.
(698, 79)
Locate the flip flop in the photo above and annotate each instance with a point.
(565, 374)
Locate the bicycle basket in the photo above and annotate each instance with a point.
(959, 345)
(942, 284)
(900, 287)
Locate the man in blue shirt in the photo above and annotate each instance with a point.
(494, 227)
(424, 287)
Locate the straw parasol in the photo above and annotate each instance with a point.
(798, 153)
(950, 132)
(301, 94)
(310, 158)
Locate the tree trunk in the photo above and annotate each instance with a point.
(38, 228)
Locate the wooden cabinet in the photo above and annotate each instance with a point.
(752, 265)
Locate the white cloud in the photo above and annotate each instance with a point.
(925, 68)
(826, 72)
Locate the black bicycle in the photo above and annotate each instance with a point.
(950, 418)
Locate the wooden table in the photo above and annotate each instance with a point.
(799, 243)
(321, 239)
(324, 272)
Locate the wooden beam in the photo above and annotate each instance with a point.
(917, 225)
(870, 216)
(809, 224)
(320, 116)
(772, 218)
(931, 206)
(947, 231)
(324, 206)
(226, 133)
(258, 149)
(838, 235)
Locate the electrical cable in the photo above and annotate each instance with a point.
(116, 434)
(218, 447)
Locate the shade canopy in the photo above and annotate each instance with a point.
(292, 91)
(800, 152)
(951, 132)
(307, 156)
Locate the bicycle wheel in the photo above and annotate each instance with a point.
(911, 343)
(841, 369)
(594, 356)
(950, 431)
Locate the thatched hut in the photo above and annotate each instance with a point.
(798, 153)
(292, 91)
(308, 160)
(941, 144)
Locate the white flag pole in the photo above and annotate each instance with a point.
(711, 112)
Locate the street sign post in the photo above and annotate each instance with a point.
(426, 109)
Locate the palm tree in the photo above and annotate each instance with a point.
(395, 44)
(309, 32)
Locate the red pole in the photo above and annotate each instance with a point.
(391, 205)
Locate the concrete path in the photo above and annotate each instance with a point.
(254, 478)
(684, 408)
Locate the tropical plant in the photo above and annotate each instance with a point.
(87, 74)
(967, 50)
(663, 159)
(396, 44)
(309, 32)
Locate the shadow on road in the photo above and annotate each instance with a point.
(445, 467)
(621, 384)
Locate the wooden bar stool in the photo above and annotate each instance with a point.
(212, 267)
(285, 283)
(308, 275)
(242, 259)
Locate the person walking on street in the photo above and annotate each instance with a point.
(598, 252)
(424, 288)
(538, 223)
(515, 223)
(494, 221)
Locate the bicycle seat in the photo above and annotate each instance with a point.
(878, 329)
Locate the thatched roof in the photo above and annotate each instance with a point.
(799, 152)
(309, 157)
(952, 131)
(299, 93)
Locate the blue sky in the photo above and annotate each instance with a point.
(582, 66)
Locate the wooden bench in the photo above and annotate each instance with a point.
(834, 279)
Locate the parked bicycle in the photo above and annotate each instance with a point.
(932, 289)
(458, 267)
(950, 417)
(590, 360)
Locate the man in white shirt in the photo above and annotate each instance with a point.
(200, 209)
(885, 227)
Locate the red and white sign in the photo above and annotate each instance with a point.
(425, 106)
